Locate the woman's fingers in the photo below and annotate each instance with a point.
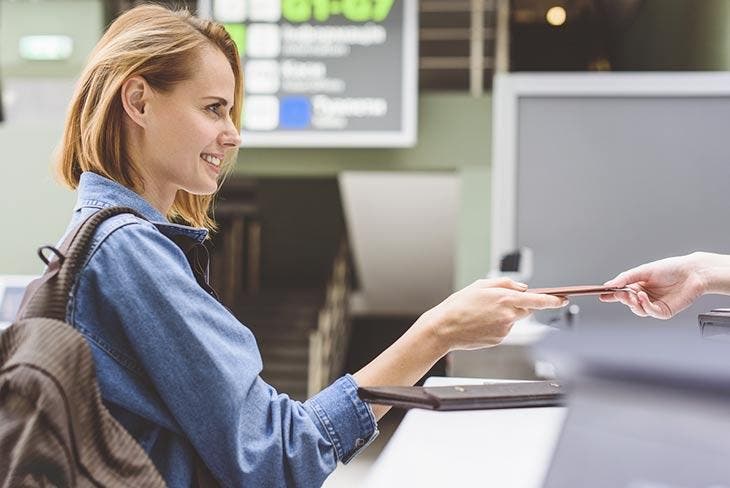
(537, 301)
(500, 283)
(609, 297)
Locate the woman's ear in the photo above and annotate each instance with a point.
(136, 93)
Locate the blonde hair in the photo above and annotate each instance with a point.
(159, 45)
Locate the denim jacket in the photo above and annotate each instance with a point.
(181, 373)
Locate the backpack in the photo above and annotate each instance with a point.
(54, 428)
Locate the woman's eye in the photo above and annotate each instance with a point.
(215, 108)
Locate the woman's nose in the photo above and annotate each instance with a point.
(230, 137)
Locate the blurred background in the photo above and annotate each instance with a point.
(338, 230)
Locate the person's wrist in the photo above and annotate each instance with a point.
(430, 328)
(713, 272)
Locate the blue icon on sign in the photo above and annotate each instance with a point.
(295, 113)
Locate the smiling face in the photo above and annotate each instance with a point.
(182, 136)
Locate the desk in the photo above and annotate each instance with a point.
(507, 448)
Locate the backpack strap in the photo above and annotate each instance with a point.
(47, 296)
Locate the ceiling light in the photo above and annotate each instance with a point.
(556, 16)
(45, 47)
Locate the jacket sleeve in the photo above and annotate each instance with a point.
(205, 365)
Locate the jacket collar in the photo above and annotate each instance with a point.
(96, 191)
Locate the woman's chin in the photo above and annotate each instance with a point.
(209, 188)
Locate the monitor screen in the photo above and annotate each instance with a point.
(10, 302)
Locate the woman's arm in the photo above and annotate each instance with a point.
(480, 315)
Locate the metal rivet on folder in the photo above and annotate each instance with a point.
(555, 385)
(459, 389)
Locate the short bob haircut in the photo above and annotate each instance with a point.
(160, 45)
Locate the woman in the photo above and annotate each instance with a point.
(154, 125)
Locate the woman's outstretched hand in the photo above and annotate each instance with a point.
(483, 313)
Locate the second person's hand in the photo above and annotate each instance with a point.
(664, 288)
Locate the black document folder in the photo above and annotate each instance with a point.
(467, 397)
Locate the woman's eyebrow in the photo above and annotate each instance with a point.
(221, 100)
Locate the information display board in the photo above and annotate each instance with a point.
(325, 73)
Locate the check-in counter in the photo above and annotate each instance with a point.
(505, 448)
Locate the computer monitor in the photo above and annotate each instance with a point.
(599, 172)
(12, 290)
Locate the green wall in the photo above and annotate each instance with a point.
(34, 208)
(82, 20)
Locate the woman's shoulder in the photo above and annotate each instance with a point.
(126, 227)
(127, 239)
